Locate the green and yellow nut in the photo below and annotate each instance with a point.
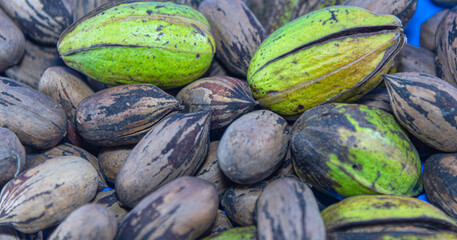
(350, 149)
(389, 214)
(165, 44)
(333, 54)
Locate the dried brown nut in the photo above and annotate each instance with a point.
(90, 222)
(173, 148)
(12, 42)
(379, 98)
(404, 10)
(253, 146)
(211, 171)
(236, 31)
(109, 199)
(35, 61)
(416, 59)
(239, 202)
(440, 182)
(67, 88)
(287, 209)
(220, 224)
(446, 50)
(44, 195)
(65, 149)
(122, 115)
(111, 160)
(12, 156)
(428, 30)
(43, 21)
(227, 98)
(426, 106)
(34, 117)
(182, 209)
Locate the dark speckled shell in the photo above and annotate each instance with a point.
(416, 59)
(35, 118)
(42, 20)
(183, 209)
(175, 147)
(440, 182)
(426, 106)
(227, 97)
(236, 30)
(122, 115)
(287, 209)
(446, 50)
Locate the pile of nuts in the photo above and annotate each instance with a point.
(226, 119)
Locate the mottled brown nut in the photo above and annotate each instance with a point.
(446, 49)
(111, 160)
(109, 199)
(122, 115)
(44, 195)
(211, 171)
(426, 106)
(43, 21)
(416, 59)
(173, 148)
(182, 209)
(440, 182)
(227, 98)
(253, 146)
(287, 209)
(428, 30)
(90, 222)
(68, 89)
(236, 31)
(35, 118)
(12, 42)
(12, 156)
(239, 202)
(404, 10)
(66, 149)
(35, 61)
(379, 98)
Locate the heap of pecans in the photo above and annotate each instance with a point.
(142, 119)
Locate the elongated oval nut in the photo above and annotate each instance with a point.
(333, 54)
(140, 40)
(44, 195)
